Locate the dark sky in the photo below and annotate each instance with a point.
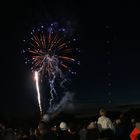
(108, 36)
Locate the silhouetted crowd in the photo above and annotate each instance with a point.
(103, 128)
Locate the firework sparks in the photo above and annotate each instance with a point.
(51, 56)
(38, 91)
(48, 54)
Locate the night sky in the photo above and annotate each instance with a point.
(108, 35)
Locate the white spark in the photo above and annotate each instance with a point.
(38, 91)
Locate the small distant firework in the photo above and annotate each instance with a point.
(50, 55)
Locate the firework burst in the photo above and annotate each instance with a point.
(50, 55)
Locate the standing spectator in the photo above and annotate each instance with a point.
(119, 129)
(32, 135)
(19, 134)
(136, 131)
(127, 126)
(2, 131)
(54, 132)
(105, 125)
(45, 132)
(63, 133)
(83, 132)
(134, 134)
(73, 134)
(92, 131)
(133, 123)
(9, 134)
